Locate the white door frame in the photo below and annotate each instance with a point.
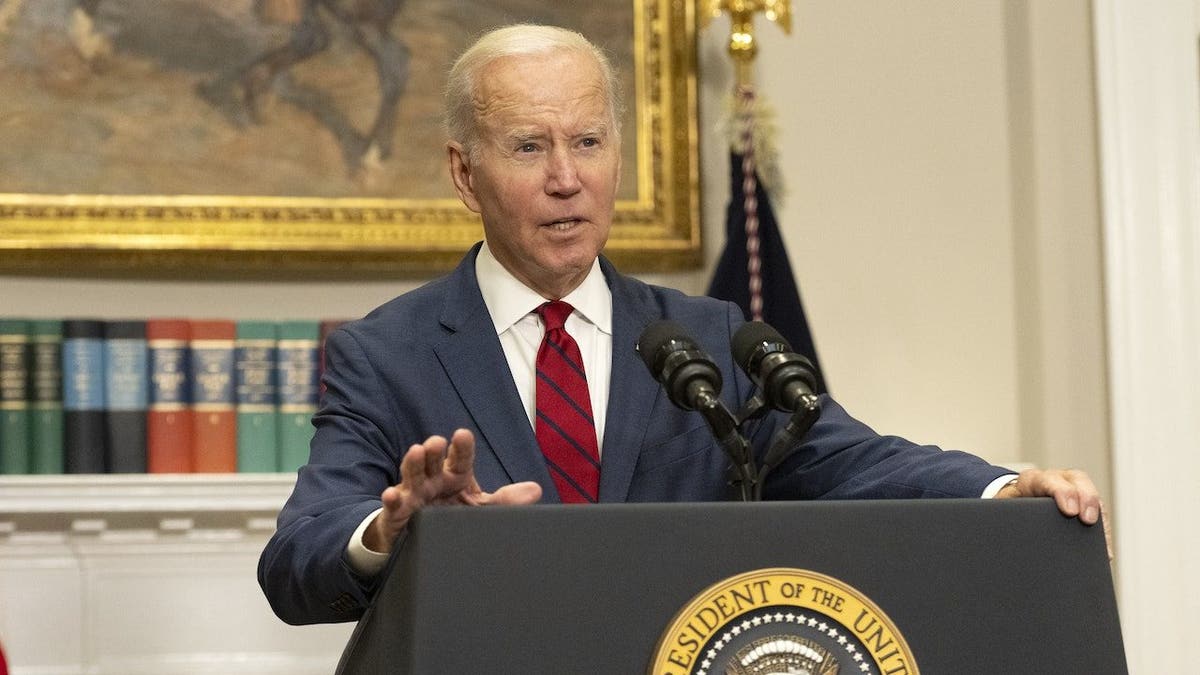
(1148, 88)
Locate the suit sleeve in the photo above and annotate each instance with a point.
(303, 570)
(842, 458)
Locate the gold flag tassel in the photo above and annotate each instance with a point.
(750, 123)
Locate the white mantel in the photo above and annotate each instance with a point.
(136, 574)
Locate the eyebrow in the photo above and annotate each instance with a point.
(523, 136)
(518, 136)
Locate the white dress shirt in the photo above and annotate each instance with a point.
(511, 305)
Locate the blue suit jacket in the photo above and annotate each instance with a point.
(430, 361)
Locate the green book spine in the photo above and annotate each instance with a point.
(297, 377)
(46, 415)
(14, 397)
(255, 366)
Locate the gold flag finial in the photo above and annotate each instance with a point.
(742, 46)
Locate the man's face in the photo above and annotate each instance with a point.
(545, 169)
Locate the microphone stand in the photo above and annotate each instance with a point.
(725, 428)
(787, 440)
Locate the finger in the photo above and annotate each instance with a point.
(418, 485)
(396, 509)
(391, 498)
(460, 459)
(1038, 483)
(412, 469)
(1089, 496)
(514, 494)
(399, 501)
(1108, 535)
(435, 453)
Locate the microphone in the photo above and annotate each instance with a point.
(693, 382)
(688, 375)
(785, 378)
(786, 381)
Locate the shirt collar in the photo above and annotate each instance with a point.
(508, 300)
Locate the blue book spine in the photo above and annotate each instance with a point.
(126, 385)
(83, 397)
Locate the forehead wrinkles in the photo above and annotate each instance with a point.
(518, 93)
(576, 114)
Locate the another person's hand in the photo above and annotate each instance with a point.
(435, 472)
(1072, 490)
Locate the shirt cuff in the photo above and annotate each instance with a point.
(996, 485)
(364, 561)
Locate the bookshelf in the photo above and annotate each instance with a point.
(147, 574)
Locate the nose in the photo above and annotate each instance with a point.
(562, 174)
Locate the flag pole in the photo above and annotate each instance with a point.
(753, 270)
(742, 49)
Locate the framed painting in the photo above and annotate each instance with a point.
(298, 138)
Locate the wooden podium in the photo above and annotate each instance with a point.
(966, 586)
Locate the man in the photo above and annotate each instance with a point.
(532, 115)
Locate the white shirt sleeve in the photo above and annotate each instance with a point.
(363, 560)
(995, 486)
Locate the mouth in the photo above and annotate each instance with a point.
(563, 224)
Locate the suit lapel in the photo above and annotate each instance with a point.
(475, 364)
(632, 391)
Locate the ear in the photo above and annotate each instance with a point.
(460, 173)
(617, 182)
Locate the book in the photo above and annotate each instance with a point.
(83, 397)
(257, 399)
(214, 417)
(168, 417)
(46, 388)
(126, 381)
(298, 374)
(15, 451)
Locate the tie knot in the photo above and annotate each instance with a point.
(554, 314)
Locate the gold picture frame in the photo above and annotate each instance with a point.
(54, 220)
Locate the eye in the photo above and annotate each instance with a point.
(590, 142)
(527, 147)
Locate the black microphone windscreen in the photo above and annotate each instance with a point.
(749, 337)
(655, 337)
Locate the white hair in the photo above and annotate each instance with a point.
(515, 40)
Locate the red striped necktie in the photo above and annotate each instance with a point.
(565, 429)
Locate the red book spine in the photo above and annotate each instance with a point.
(169, 417)
(214, 421)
